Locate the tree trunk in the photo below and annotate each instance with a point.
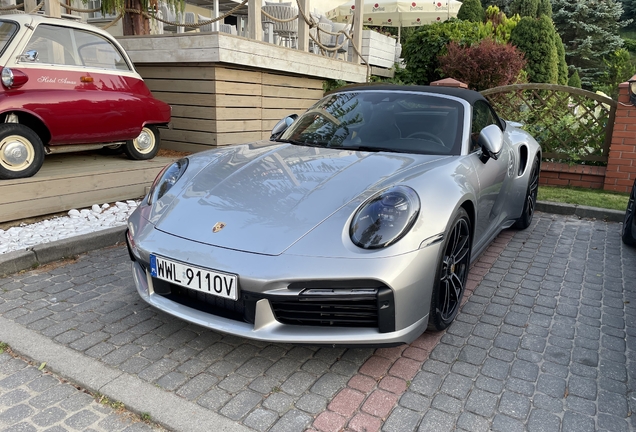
(134, 23)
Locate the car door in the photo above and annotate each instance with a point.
(81, 86)
(491, 174)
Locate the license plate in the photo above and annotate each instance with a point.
(196, 278)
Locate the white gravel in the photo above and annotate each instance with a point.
(77, 222)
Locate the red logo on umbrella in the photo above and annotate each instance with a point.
(418, 20)
(439, 4)
(389, 21)
(438, 18)
(413, 4)
(369, 19)
(353, 7)
(376, 5)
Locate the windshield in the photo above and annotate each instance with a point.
(401, 122)
(7, 30)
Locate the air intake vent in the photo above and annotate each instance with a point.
(329, 307)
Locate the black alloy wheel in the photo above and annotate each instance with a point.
(530, 203)
(452, 273)
(628, 231)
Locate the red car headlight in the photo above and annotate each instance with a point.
(12, 78)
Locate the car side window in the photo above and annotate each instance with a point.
(97, 51)
(482, 117)
(67, 46)
(53, 45)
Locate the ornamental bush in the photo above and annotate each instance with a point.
(483, 65)
(498, 25)
(422, 48)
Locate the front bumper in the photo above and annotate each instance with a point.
(402, 287)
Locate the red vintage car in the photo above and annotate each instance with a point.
(68, 86)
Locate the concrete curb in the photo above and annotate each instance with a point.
(13, 262)
(164, 407)
(581, 211)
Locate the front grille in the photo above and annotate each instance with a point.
(203, 302)
(352, 310)
(363, 304)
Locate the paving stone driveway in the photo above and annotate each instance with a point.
(546, 342)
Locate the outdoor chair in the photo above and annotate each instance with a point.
(189, 18)
(169, 14)
(340, 39)
(228, 28)
(320, 34)
(207, 27)
(287, 32)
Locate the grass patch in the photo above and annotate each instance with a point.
(586, 197)
(3, 347)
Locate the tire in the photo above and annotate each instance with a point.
(21, 151)
(627, 231)
(530, 202)
(145, 146)
(112, 149)
(452, 272)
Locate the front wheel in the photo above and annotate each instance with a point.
(21, 151)
(628, 232)
(531, 198)
(452, 273)
(145, 146)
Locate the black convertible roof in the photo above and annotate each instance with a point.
(470, 96)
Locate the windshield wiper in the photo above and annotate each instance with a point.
(372, 149)
(300, 143)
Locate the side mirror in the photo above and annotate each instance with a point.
(30, 56)
(491, 142)
(282, 126)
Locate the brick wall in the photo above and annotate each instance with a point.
(621, 166)
(559, 174)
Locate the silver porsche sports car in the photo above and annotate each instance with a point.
(355, 224)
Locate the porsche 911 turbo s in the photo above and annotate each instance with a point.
(355, 224)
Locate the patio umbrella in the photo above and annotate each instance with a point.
(398, 13)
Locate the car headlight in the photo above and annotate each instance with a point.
(385, 218)
(166, 179)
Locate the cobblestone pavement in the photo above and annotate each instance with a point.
(32, 399)
(544, 343)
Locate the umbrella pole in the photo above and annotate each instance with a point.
(400, 33)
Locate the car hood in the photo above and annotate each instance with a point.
(265, 198)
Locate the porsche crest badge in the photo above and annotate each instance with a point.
(218, 227)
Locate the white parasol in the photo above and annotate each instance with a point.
(398, 13)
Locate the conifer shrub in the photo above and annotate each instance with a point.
(471, 10)
(535, 38)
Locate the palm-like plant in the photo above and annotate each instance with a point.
(135, 13)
